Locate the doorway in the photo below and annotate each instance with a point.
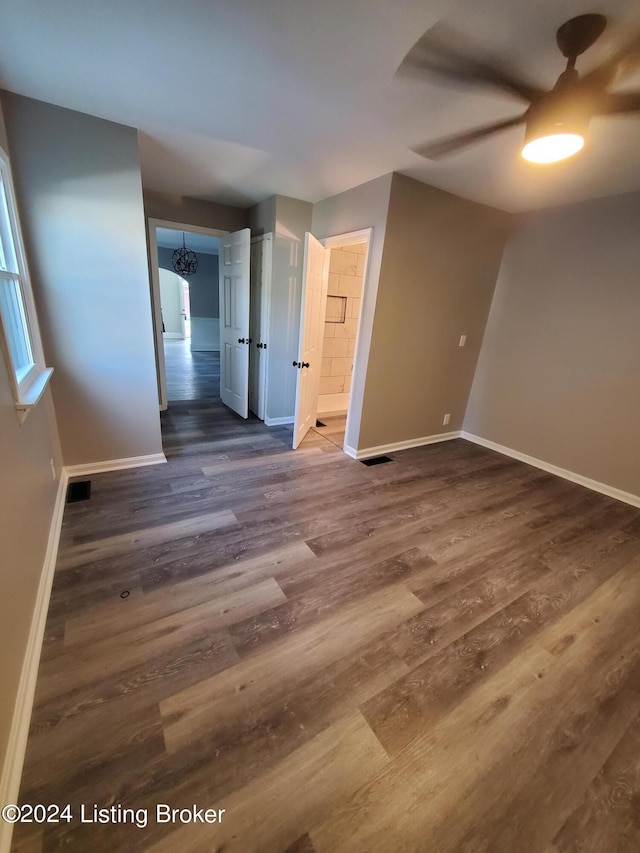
(342, 318)
(174, 305)
(176, 333)
(339, 266)
(186, 315)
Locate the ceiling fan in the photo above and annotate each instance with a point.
(556, 121)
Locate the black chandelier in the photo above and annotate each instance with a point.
(185, 262)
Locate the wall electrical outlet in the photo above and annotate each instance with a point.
(446, 420)
(463, 340)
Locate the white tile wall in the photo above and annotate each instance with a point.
(345, 279)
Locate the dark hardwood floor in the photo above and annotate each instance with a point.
(437, 654)
(190, 375)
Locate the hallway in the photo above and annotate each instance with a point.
(190, 375)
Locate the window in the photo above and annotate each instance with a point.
(18, 322)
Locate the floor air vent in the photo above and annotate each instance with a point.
(376, 460)
(79, 491)
(319, 423)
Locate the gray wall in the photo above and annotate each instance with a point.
(439, 268)
(79, 187)
(559, 373)
(193, 211)
(261, 218)
(204, 292)
(365, 206)
(27, 496)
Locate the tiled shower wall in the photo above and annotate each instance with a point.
(346, 272)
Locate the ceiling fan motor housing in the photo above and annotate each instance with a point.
(556, 113)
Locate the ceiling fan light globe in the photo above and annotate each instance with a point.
(552, 147)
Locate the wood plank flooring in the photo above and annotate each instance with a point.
(333, 430)
(190, 375)
(437, 654)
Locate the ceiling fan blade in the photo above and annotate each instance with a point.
(448, 144)
(618, 102)
(619, 64)
(435, 53)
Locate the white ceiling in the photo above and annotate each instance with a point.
(239, 99)
(168, 238)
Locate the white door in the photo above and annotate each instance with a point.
(258, 322)
(312, 312)
(235, 251)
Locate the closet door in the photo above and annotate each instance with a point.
(235, 252)
(261, 260)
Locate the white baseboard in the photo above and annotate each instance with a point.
(366, 452)
(587, 482)
(17, 745)
(350, 451)
(114, 465)
(278, 421)
(338, 413)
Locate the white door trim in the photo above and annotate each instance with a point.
(156, 312)
(361, 236)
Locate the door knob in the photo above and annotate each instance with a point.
(297, 364)
(305, 364)
(243, 341)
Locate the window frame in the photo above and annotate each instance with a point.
(28, 383)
